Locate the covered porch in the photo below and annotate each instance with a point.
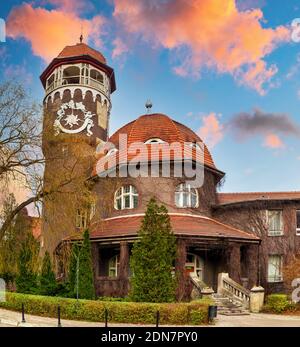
(205, 248)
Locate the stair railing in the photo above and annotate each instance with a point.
(228, 287)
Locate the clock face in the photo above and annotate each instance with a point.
(73, 118)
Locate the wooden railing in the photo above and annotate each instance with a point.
(230, 288)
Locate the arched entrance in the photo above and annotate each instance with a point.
(194, 265)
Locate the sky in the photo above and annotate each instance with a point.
(228, 69)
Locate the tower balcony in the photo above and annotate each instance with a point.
(78, 75)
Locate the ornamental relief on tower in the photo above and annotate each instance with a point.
(73, 118)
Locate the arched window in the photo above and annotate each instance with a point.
(113, 266)
(154, 141)
(96, 75)
(186, 196)
(71, 75)
(50, 81)
(126, 197)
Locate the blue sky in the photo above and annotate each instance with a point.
(209, 96)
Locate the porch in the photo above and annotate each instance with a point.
(198, 263)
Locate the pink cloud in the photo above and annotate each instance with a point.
(49, 31)
(212, 131)
(273, 141)
(214, 34)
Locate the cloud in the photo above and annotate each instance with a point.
(245, 124)
(72, 6)
(212, 34)
(49, 31)
(120, 47)
(211, 131)
(18, 72)
(273, 141)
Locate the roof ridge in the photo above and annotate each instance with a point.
(274, 192)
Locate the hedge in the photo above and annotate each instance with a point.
(278, 303)
(193, 313)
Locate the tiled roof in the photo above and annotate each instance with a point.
(81, 49)
(163, 127)
(182, 224)
(228, 198)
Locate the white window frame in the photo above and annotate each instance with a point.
(154, 141)
(279, 232)
(181, 190)
(297, 229)
(120, 194)
(114, 264)
(81, 218)
(277, 277)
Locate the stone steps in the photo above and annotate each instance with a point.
(228, 307)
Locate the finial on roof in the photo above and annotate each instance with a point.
(81, 36)
(148, 105)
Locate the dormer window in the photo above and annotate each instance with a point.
(155, 140)
(112, 151)
(196, 146)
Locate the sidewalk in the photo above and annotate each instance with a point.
(13, 319)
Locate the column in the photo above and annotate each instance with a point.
(124, 268)
(252, 265)
(180, 269)
(234, 263)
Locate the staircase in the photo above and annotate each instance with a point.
(232, 299)
(228, 306)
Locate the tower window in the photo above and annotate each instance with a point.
(50, 82)
(126, 198)
(71, 75)
(96, 75)
(186, 196)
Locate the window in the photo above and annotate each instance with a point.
(96, 75)
(154, 141)
(275, 268)
(126, 197)
(113, 266)
(298, 222)
(71, 75)
(275, 225)
(186, 196)
(81, 218)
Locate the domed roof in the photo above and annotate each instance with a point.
(159, 126)
(81, 49)
(162, 127)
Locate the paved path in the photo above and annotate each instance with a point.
(258, 320)
(11, 318)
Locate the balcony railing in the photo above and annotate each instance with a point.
(77, 80)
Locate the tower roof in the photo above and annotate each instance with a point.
(80, 53)
(81, 49)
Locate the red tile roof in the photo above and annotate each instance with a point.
(163, 127)
(229, 198)
(81, 49)
(182, 224)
